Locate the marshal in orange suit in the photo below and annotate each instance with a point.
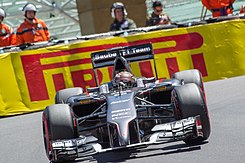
(219, 7)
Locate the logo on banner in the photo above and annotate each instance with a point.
(34, 69)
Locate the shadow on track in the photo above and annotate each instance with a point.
(124, 155)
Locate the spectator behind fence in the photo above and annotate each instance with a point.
(219, 7)
(32, 29)
(158, 17)
(121, 22)
(7, 36)
(242, 9)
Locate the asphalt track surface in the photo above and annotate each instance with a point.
(21, 136)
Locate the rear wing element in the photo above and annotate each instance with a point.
(130, 53)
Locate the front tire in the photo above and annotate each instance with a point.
(58, 123)
(189, 101)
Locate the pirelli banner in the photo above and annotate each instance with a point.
(30, 79)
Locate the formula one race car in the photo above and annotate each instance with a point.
(128, 112)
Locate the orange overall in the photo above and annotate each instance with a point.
(32, 32)
(242, 10)
(219, 7)
(7, 36)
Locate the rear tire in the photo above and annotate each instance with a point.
(58, 123)
(189, 102)
(62, 95)
(190, 76)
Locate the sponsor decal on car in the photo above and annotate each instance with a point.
(87, 101)
(161, 88)
(120, 101)
(121, 114)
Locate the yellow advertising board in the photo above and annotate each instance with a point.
(30, 79)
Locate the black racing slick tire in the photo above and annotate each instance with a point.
(190, 76)
(62, 95)
(58, 123)
(189, 101)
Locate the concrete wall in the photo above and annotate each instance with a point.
(95, 17)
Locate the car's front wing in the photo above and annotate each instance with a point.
(163, 133)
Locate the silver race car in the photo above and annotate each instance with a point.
(127, 112)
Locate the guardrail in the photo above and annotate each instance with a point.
(30, 46)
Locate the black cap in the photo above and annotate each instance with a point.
(156, 3)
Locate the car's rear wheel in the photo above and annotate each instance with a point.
(58, 123)
(62, 95)
(190, 76)
(189, 101)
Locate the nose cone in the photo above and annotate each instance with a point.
(123, 134)
(121, 111)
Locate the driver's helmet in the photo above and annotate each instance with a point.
(125, 77)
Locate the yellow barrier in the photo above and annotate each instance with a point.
(30, 79)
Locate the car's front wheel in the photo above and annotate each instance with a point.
(58, 123)
(189, 101)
